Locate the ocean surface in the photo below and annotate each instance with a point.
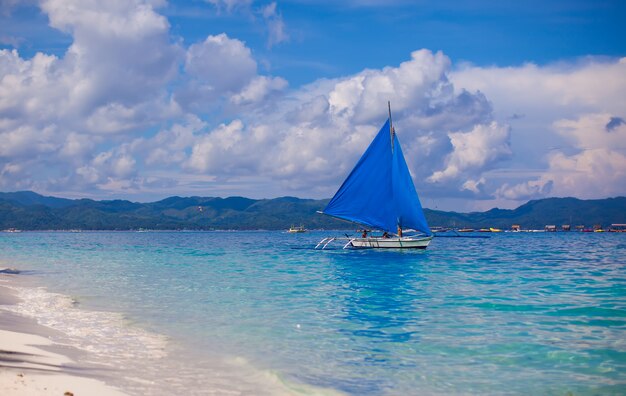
(264, 313)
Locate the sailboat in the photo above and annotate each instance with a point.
(379, 194)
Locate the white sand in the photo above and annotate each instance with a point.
(28, 369)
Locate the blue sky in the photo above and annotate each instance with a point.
(496, 102)
(330, 39)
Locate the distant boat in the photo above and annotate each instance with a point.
(494, 229)
(294, 230)
(379, 194)
(439, 229)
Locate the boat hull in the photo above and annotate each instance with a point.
(392, 243)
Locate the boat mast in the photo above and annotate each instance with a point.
(391, 134)
(391, 131)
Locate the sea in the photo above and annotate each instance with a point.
(265, 313)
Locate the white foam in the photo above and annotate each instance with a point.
(105, 334)
(138, 359)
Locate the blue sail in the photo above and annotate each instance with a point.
(379, 192)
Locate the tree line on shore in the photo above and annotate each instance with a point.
(26, 210)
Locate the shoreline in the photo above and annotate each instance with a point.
(32, 363)
(50, 346)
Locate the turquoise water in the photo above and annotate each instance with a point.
(517, 313)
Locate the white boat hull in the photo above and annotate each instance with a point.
(392, 243)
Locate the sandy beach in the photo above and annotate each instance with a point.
(50, 346)
(31, 363)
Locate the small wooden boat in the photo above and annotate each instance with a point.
(379, 194)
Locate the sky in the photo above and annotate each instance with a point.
(495, 102)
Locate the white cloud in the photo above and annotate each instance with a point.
(77, 145)
(108, 168)
(88, 173)
(306, 140)
(23, 141)
(275, 25)
(593, 131)
(230, 5)
(111, 80)
(113, 118)
(94, 103)
(169, 146)
(474, 185)
(313, 136)
(524, 191)
(223, 68)
(123, 166)
(222, 63)
(258, 89)
(228, 150)
(474, 152)
(128, 108)
(268, 13)
(121, 51)
(119, 61)
(589, 83)
(569, 128)
(596, 170)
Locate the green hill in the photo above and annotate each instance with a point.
(538, 213)
(27, 210)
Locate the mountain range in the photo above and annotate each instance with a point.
(27, 210)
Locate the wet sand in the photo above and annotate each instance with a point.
(31, 363)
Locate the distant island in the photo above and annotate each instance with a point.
(26, 210)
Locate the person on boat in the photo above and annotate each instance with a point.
(399, 232)
(364, 235)
(385, 234)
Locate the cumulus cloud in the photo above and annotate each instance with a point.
(528, 190)
(268, 13)
(169, 146)
(223, 68)
(587, 83)
(111, 80)
(111, 171)
(474, 151)
(224, 64)
(259, 89)
(316, 138)
(119, 60)
(128, 108)
(114, 80)
(76, 146)
(597, 169)
(572, 115)
(121, 51)
(304, 142)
